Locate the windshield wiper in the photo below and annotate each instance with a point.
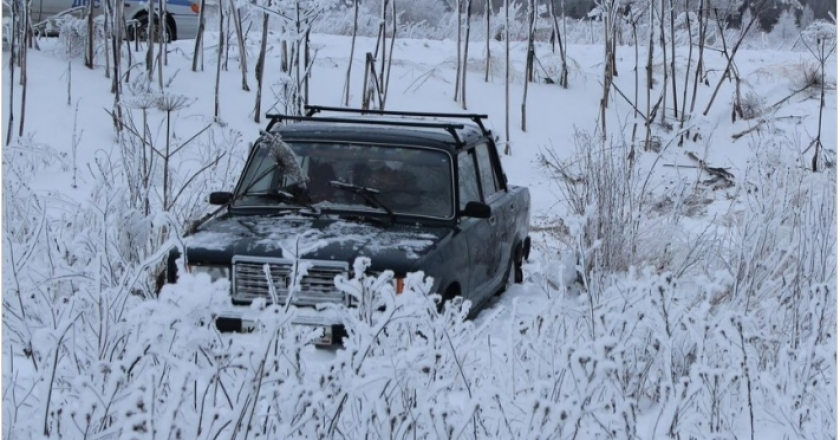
(368, 194)
(286, 197)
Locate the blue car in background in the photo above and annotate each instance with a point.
(181, 18)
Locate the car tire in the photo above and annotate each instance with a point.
(140, 30)
(514, 274)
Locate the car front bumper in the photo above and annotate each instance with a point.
(245, 320)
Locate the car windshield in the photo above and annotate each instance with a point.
(412, 181)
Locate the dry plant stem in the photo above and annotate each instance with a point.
(702, 23)
(487, 9)
(199, 36)
(12, 59)
(682, 116)
(390, 51)
(352, 52)
(260, 68)
(23, 82)
(674, 56)
(664, 48)
(216, 105)
(109, 14)
(150, 47)
(161, 32)
(89, 40)
(507, 77)
(459, 6)
(649, 72)
(529, 63)
(383, 28)
(466, 56)
(240, 41)
(731, 57)
(564, 69)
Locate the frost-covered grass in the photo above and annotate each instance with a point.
(656, 304)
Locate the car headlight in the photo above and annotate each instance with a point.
(215, 272)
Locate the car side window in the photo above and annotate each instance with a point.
(489, 179)
(467, 180)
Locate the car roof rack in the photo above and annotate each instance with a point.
(450, 127)
(477, 118)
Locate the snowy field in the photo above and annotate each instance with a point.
(660, 301)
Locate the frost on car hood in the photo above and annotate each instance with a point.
(322, 239)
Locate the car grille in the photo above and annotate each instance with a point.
(317, 287)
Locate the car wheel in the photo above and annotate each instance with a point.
(140, 31)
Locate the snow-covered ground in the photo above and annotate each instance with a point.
(701, 333)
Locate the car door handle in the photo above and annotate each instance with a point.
(492, 221)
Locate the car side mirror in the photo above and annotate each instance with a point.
(220, 198)
(476, 210)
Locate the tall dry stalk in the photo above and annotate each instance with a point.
(259, 70)
(352, 52)
(466, 56)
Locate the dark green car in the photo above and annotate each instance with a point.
(410, 191)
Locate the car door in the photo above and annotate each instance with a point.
(480, 235)
(500, 218)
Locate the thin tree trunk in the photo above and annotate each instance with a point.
(687, 74)
(649, 72)
(382, 54)
(150, 46)
(227, 39)
(664, 47)
(529, 64)
(23, 74)
(12, 58)
(352, 52)
(89, 42)
(466, 57)
(306, 61)
(259, 70)
(199, 36)
(702, 23)
(161, 28)
(240, 41)
(459, 5)
(109, 16)
(564, 70)
(674, 57)
(217, 111)
(390, 51)
(507, 77)
(487, 43)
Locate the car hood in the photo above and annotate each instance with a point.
(396, 247)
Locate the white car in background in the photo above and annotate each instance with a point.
(181, 15)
